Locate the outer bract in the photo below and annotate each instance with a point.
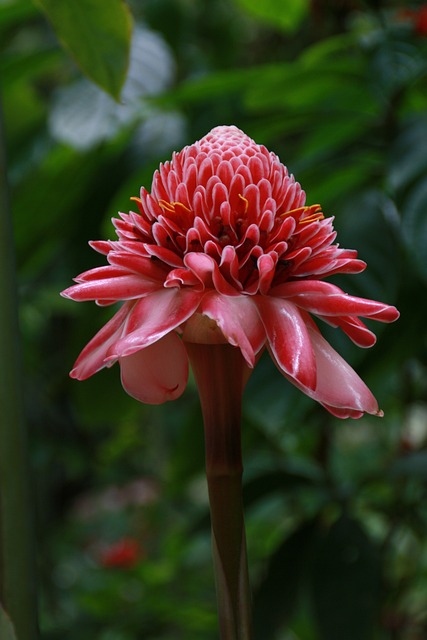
(224, 249)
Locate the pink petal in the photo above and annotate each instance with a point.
(151, 269)
(338, 384)
(288, 339)
(324, 298)
(154, 316)
(156, 373)
(266, 267)
(356, 330)
(101, 273)
(164, 255)
(347, 413)
(101, 246)
(339, 389)
(125, 287)
(239, 321)
(207, 270)
(93, 356)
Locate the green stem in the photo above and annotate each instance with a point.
(220, 371)
(17, 565)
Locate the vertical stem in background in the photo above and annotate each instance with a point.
(220, 371)
(17, 564)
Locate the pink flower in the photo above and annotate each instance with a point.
(223, 249)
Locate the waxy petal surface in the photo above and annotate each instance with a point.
(239, 321)
(153, 317)
(339, 389)
(93, 357)
(157, 373)
(326, 299)
(288, 339)
(126, 287)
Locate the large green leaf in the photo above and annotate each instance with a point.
(271, 482)
(276, 597)
(13, 13)
(346, 583)
(6, 628)
(284, 15)
(415, 225)
(97, 34)
(408, 155)
(412, 465)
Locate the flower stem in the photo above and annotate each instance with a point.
(220, 372)
(17, 565)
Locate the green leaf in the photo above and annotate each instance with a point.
(408, 155)
(415, 226)
(276, 598)
(346, 583)
(278, 482)
(6, 628)
(97, 35)
(368, 222)
(14, 13)
(283, 15)
(413, 464)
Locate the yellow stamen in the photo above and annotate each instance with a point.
(312, 213)
(167, 206)
(170, 207)
(181, 206)
(138, 200)
(245, 201)
(309, 219)
(292, 211)
(315, 214)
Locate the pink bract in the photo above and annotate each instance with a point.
(223, 249)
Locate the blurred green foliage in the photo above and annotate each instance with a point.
(336, 512)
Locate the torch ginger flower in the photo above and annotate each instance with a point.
(224, 250)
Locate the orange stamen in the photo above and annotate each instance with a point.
(245, 201)
(312, 213)
(167, 206)
(315, 214)
(138, 200)
(171, 207)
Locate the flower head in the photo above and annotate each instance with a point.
(224, 249)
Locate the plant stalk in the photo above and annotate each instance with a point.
(17, 563)
(220, 372)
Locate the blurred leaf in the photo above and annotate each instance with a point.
(367, 223)
(83, 116)
(415, 226)
(276, 597)
(408, 155)
(276, 481)
(98, 37)
(413, 464)
(317, 77)
(27, 65)
(346, 583)
(6, 627)
(283, 15)
(218, 84)
(68, 179)
(12, 13)
(396, 64)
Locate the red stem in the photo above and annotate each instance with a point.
(220, 372)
